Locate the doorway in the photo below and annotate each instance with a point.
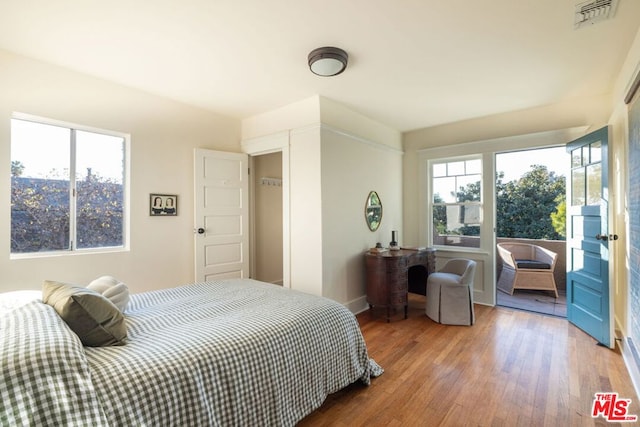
(267, 218)
(530, 208)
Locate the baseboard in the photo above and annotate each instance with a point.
(631, 359)
(357, 305)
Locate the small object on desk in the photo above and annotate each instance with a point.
(393, 245)
(378, 249)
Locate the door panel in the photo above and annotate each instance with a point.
(221, 215)
(588, 291)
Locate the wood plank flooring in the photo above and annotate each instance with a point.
(512, 368)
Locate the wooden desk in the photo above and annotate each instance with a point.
(392, 274)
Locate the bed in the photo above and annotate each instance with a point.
(227, 353)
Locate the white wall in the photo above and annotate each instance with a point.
(336, 156)
(305, 207)
(163, 136)
(358, 155)
(293, 116)
(351, 168)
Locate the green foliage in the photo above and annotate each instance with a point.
(558, 218)
(524, 207)
(532, 207)
(439, 215)
(469, 193)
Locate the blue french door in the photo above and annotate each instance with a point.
(588, 238)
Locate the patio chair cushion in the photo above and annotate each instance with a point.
(531, 263)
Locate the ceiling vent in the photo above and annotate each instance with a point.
(590, 12)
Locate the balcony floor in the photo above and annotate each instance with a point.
(535, 301)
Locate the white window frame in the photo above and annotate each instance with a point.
(72, 205)
(431, 204)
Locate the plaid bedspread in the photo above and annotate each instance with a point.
(229, 353)
(44, 375)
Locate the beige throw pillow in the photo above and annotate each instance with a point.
(95, 319)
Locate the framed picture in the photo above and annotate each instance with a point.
(163, 205)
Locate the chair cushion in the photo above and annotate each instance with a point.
(443, 278)
(531, 263)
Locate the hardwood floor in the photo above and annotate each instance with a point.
(512, 368)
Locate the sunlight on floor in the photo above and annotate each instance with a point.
(536, 301)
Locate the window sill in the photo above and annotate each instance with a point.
(461, 249)
(54, 254)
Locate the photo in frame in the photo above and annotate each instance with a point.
(163, 204)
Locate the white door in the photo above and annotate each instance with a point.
(221, 215)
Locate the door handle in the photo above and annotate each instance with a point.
(604, 237)
(200, 230)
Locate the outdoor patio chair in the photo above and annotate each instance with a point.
(526, 266)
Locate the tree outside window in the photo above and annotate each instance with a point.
(530, 194)
(456, 203)
(67, 188)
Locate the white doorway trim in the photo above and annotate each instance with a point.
(278, 142)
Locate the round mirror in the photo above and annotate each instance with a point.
(373, 211)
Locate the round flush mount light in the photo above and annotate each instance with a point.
(328, 61)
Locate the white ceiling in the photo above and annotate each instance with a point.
(413, 63)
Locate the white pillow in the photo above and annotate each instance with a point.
(14, 299)
(112, 289)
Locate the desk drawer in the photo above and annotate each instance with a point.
(397, 298)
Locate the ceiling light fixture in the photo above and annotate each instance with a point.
(328, 61)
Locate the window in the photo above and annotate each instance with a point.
(586, 175)
(67, 188)
(456, 206)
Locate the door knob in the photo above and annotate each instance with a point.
(200, 230)
(604, 237)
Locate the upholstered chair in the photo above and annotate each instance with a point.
(450, 293)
